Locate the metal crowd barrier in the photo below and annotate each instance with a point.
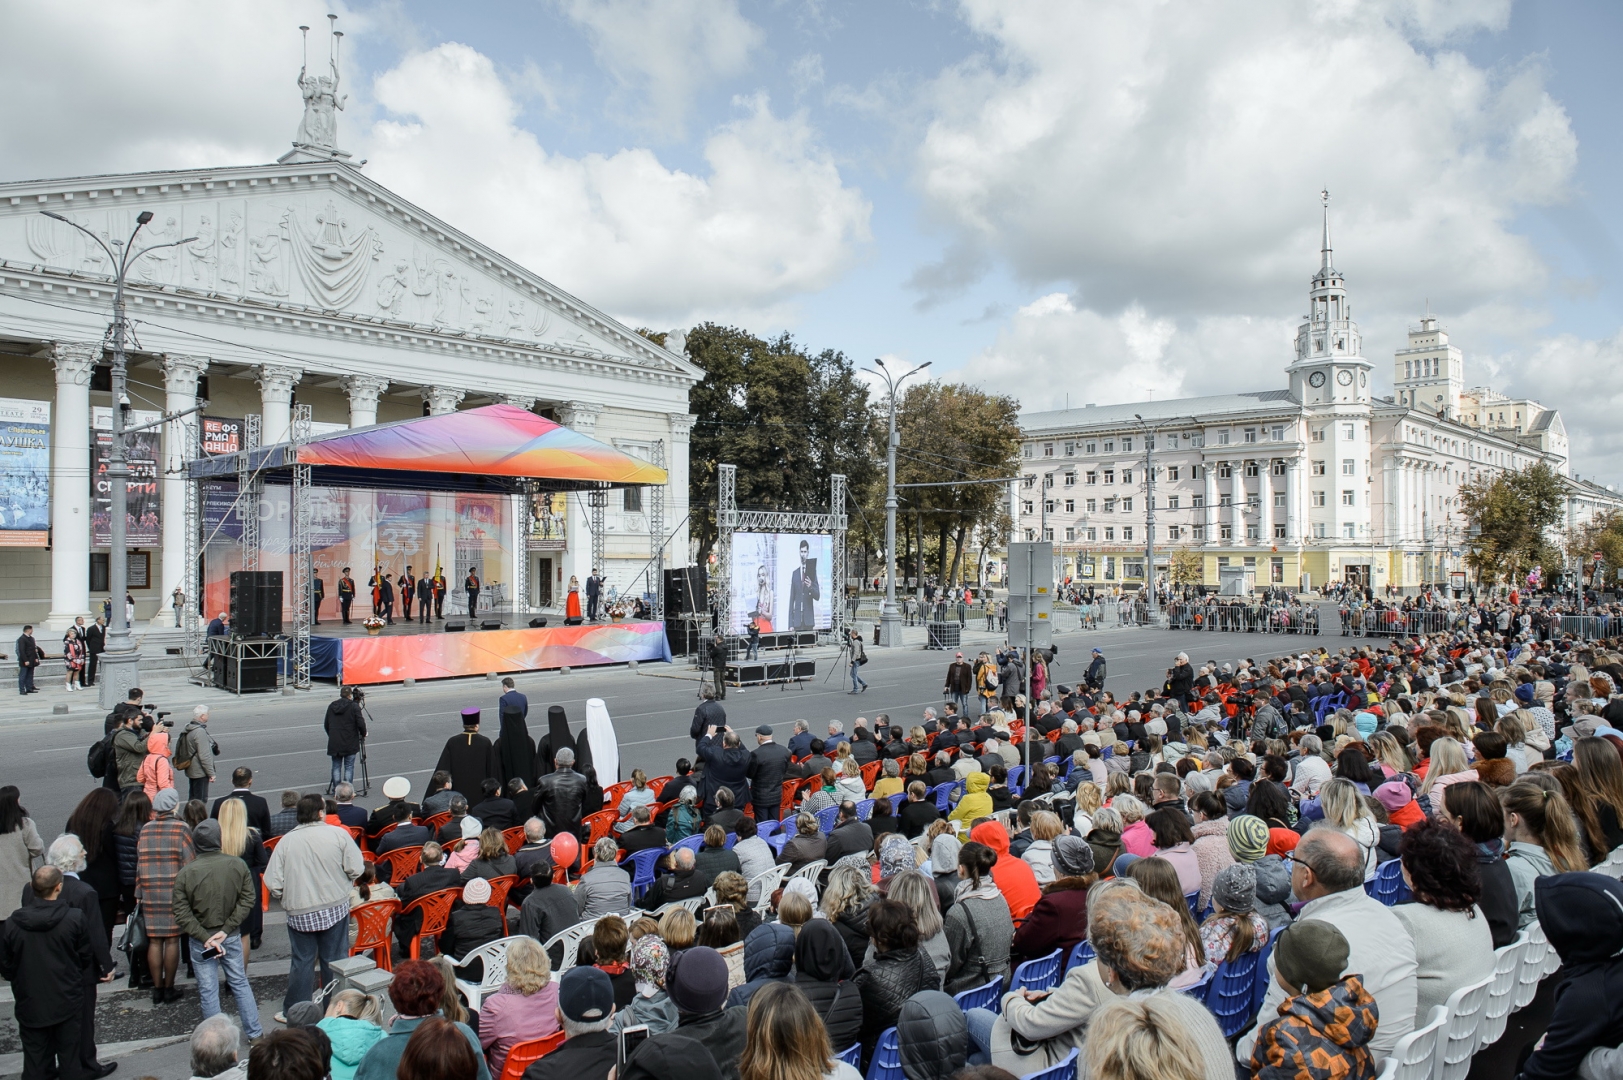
(1254, 618)
(1589, 627)
(1395, 622)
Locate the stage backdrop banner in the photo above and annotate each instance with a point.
(142, 524)
(369, 660)
(782, 581)
(25, 472)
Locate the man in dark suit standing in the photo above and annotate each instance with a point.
(408, 592)
(67, 854)
(386, 592)
(242, 782)
(470, 585)
(95, 645)
(804, 591)
(769, 765)
(346, 594)
(425, 598)
(318, 593)
(594, 589)
(29, 655)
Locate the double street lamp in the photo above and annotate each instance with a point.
(890, 620)
(120, 662)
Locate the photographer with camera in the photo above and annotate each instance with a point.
(130, 729)
(346, 730)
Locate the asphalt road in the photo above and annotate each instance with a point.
(281, 737)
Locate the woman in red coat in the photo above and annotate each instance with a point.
(1060, 919)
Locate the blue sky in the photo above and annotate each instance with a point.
(1059, 199)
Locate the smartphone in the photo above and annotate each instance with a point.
(631, 1038)
(214, 952)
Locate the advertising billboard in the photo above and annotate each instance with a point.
(782, 581)
(142, 521)
(25, 472)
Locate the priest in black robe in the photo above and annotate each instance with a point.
(557, 738)
(470, 758)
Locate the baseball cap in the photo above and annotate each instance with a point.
(585, 995)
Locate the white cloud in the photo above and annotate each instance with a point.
(98, 87)
(665, 51)
(771, 220)
(1583, 379)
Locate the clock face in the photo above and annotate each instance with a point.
(1316, 379)
(1363, 378)
(1344, 377)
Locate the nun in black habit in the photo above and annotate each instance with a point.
(515, 750)
(557, 738)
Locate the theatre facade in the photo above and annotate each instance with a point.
(301, 283)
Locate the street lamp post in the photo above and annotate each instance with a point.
(120, 663)
(890, 620)
(1149, 516)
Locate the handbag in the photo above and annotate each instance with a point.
(135, 931)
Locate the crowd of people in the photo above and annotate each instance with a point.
(774, 910)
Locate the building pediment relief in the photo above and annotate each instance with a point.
(329, 241)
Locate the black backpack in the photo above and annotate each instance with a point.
(100, 756)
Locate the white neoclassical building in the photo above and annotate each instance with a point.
(306, 282)
(1313, 482)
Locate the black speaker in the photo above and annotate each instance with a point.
(538, 622)
(683, 636)
(685, 591)
(490, 624)
(256, 603)
(257, 674)
(453, 626)
(574, 620)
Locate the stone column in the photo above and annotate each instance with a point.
(1237, 500)
(1209, 470)
(522, 401)
(441, 400)
(70, 486)
(364, 392)
(180, 375)
(439, 530)
(578, 416)
(1293, 500)
(276, 382)
(516, 507)
(1265, 502)
(677, 506)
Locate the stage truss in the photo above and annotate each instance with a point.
(730, 519)
(300, 559)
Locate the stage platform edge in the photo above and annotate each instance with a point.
(369, 661)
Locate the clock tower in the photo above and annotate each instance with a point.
(1329, 368)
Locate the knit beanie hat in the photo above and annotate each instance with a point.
(671, 1056)
(698, 980)
(1394, 795)
(165, 801)
(476, 892)
(1248, 838)
(944, 854)
(1235, 889)
(1311, 955)
(1072, 856)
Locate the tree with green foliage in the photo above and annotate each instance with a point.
(1509, 517)
(1188, 568)
(1603, 537)
(788, 418)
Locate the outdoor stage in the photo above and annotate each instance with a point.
(350, 655)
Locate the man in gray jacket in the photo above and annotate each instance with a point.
(194, 754)
(605, 889)
(310, 873)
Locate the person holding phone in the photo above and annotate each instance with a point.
(212, 896)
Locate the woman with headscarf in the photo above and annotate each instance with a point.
(823, 970)
(598, 747)
(1060, 919)
(515, 750)
(557, 738)
(944, 868)
(896, 855)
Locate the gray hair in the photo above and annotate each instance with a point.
(918, 892)
(835, 727)
(574, 1029)
(215, 1044)
(535, 830)
(1311, 744)
(66, 853)
(564, 758)
(689, 794)
(1069, 727)
(459, 805)
(199, 711)
(344, 793)
(684, 858)
(800, 725)
(606, 849)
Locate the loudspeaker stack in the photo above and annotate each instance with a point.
(256, 603)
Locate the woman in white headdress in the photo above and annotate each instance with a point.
(598, 746)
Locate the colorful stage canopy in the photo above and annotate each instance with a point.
(492, 448)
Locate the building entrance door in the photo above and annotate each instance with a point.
(1357, 575)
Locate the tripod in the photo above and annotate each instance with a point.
(842, 661)
(789, 671)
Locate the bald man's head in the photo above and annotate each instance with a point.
(685, 859)
(1334, 858)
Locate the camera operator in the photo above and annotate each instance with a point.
(859, 656)
(345, 728)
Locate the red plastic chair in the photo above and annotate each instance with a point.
(513, 838)
(615, 792)
(527, 1053)
(499, 887)
(658, 783)
(601, 824)
(434, 821)
(372, 922)
(270, 845)
(436, 911)
(870, 774)
(399, 864)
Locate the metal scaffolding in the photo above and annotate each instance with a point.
(598, 501)
(299, 556)
(656, 533)
(189, 431)
(249, 488)
(521, 558)
(726, 525)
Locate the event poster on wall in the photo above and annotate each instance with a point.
(782, 581)
(142, 523)
(25, 472)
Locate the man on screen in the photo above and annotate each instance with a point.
(804, 592)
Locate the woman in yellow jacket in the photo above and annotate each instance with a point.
(975, 803)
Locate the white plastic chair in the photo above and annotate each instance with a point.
(1534, 954)
(695, 904)
(1457, 1041)
(812, 871)
(763, 885)
(1552, 959)
(570, 939)
(1507, 967)
(1416, 1053)
(494, 954)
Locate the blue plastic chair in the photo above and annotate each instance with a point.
(896, 802)
(989, 996)
(1042, 973)
(1015, 773)
(942, 794)
(1065, 1070)
(1081, 954)
(692, 843)
(1198, 990)
(778, 842)
(851, 1055)
(825, 818)
(732, 838)
(1387, 885)
(1051, 760)
(865, 809)
(887, 1058)
(642, 865)
(1230, 995)
(1259, 985)
(767, 829)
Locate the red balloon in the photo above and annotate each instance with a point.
(565, 849)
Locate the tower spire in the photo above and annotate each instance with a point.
(1324, 251)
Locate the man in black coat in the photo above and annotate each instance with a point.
(726, 764)
(709, 714)
(95, 645)
(494, 811)
(1181, 679)
(850, 836)
(769, 764)
(29, 655)
(44, 953)
(917, 812)
(716, 652)
(430, 879)
(560, 794)
(470, 758)
(259, 815)
(67, 854)
(1095, 677)
(345, 728)
(863, 746)
(682, 883)
(643, 832)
